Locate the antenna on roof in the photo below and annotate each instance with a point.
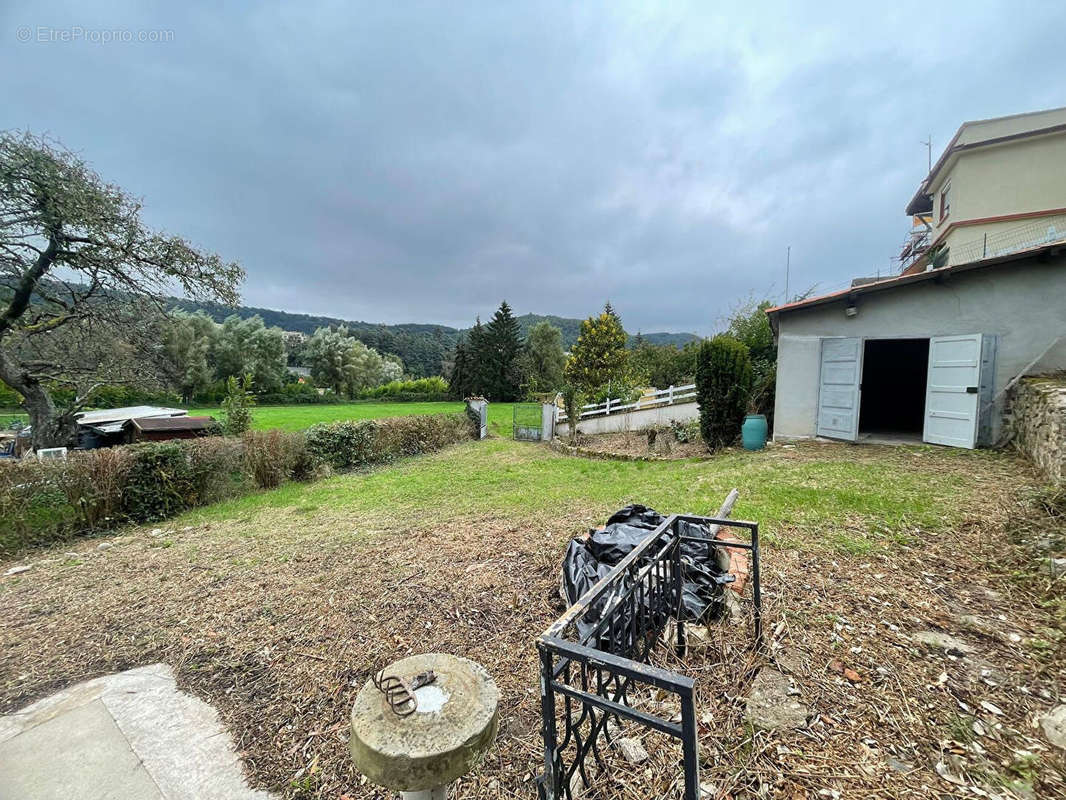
(928, 153)
(788, 263)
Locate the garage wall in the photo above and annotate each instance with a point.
(1024, 302)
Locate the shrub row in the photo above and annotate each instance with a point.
(45, 501)
(423, 390)
(344, 445)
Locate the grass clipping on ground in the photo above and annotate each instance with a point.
(277, 607)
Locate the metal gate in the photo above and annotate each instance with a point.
(526, 422)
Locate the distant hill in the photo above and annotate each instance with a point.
(572, 327)
(422, 346)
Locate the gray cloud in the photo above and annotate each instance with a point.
(419, 162)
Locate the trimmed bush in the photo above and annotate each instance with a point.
(423, 390)
(342, 445)
(350, 444)
(273, 457)
(46, 501)
(723, 387)
(41, 501)
(167, 478)
(409, 436)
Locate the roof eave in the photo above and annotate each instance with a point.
(1058, 248)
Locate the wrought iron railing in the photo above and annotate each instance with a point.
(596, 655)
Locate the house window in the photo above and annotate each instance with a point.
(945, 202)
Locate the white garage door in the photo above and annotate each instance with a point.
(838, 389)
(951, 395)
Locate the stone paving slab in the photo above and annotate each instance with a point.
(129, 736)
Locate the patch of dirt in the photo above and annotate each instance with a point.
(633, 444)
(279, 619)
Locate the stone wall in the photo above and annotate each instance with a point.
(1036, 423)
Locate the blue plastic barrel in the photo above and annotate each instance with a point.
(753, 432)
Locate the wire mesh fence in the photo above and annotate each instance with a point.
(1046, 230)
(526, 422)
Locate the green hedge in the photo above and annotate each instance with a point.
(723, 389)
(423, 390)
(46, 501)
(344, 445)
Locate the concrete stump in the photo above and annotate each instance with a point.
(421, 754)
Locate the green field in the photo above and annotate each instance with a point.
(295, 418)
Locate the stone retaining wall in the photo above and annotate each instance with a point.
(1036, 423)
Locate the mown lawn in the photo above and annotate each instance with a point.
(298, 417)
(857, 499)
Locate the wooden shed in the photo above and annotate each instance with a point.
(159, 429)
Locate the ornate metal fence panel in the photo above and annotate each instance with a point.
(596, 655)
(526, 422)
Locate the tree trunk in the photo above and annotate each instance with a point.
(50, 428)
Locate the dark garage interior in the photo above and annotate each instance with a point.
(894, 373)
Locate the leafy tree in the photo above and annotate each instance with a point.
(501, 347)
(391, 368)
(542, 361)
(750, 325)
(367, 368)
(599, 357)
(237, 406)
(327, 354)
(723, 386)
(662, 365)
(247, 346)
(186, 342)
(82, 281)
(344, 364)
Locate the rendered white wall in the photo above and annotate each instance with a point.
(633, 420)
(1024, 303)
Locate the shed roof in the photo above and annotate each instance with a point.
(129, 412)
(1043, 251)
(185, 423)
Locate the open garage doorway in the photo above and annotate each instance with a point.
(894, 376)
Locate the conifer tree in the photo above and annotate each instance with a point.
(503, 345)
(477, 356)
(459, 379)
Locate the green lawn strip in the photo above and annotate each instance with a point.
(298, 417)
(851, 506)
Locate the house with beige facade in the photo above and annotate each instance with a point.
(930, 354)
(998, 187)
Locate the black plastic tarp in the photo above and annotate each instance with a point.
(589, 560)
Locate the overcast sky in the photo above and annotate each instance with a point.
(402, 162)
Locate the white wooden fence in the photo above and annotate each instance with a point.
(662, 397)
